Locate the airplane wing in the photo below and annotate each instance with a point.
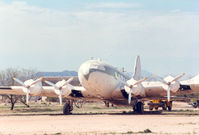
(141, 89)
(20, 90)
(46, 91)
(62, 89)
(11, 90)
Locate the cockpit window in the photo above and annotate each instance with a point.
(97, 66)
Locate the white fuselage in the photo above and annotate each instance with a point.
(100, 79)
(104, 81)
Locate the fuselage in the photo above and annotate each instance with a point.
(101, 79)
(104, 81)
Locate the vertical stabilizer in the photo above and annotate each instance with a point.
(137, 69)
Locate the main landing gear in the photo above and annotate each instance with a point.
(68, 107)
(138, 107)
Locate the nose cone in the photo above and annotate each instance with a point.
(83, 70)
(89, 67)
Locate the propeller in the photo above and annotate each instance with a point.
(27, 84)
(131, 88)
(58, 87)
(169, 85)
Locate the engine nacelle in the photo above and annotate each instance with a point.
(137, 90)
(174, 87)
(66, 91)
(35, 89)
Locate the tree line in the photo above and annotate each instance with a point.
(6, 79)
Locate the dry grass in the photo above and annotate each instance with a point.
(88, 108)
(55, 108)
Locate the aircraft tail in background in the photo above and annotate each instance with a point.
(137, 69)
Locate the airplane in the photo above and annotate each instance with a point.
(102, 82)
(191, 85)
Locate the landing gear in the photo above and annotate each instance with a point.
(164, 106)
(150, 108)
(68, 107)
(138, 107)
(196, 104)
(169, 106)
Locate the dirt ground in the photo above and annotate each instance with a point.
(178, 123)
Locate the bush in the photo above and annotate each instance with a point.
(147, 131)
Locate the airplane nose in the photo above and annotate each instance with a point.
(84, 68)
(83, 71)
(87, 68)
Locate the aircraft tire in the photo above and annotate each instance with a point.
(194, 105)
(164, 105)
(170, 106)
(150, 107)
(135, 109)
(67, 108)
(156, 108)
(140, 107)
(164, 108)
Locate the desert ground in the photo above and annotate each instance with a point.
(95, 118)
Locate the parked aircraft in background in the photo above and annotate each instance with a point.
(191, 85)
(103, 82)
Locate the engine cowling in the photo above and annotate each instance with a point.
(35, 89)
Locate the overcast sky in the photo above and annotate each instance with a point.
(57, 35)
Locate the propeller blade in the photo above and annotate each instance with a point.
(60, 98)
(57, 90)
(169, 85)
(69, 80)
(50, 83)
(140, 81)
(36, 81)
(169, 93)
(178, 77)
(136, 83)
(27, 96)
(19, 81)
(59, 93)
(165, 82)
(131, 87)
(129, 98)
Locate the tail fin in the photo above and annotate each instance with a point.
(137, 69)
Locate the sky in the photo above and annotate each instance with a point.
(57, 35)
